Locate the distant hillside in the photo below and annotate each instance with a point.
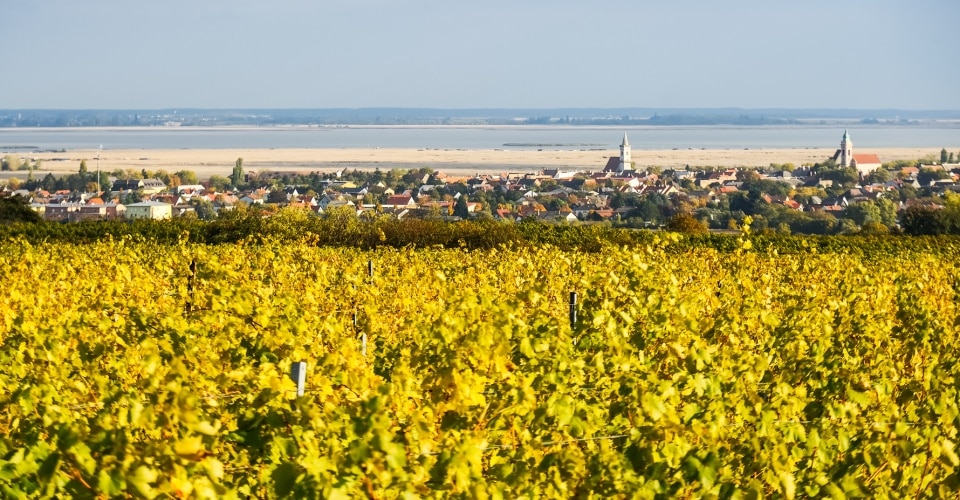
(432, 116)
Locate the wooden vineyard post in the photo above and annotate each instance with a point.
(298, 373)
(573, 310)
(190, 284)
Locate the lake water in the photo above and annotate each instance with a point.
(519, 137)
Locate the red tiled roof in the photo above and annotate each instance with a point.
(792, 204)
(866, 158)
(398, 199)
(526, 211)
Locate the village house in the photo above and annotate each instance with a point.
(400, 201)
(337, 204)
(708, 179)
(98, 211)
(59, 212)
(504, 214)
(621, 165)
(149, 210)
(558, 174)
(559, 216)
(190, 188)
(332, 199)
(865, 163)
(149, 186)
(251, 199)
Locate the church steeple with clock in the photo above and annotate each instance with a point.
(846, 150)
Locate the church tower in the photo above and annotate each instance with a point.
(846, 150)
(626, 163)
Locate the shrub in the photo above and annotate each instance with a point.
(686, 223)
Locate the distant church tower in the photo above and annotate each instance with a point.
(846, 150)
(626, 164)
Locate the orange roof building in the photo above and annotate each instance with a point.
(863, 162)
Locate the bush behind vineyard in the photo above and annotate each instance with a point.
(341, 229)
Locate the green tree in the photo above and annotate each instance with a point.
(131, 197)
(104, 182)
(187, 177)
(750, 175)
(48, 183)
(617, 200)
(920, 219)
(814, 223)
(943, 156)
(219, 183)
(878, 176)
(236, 178)
(649, 211)
(277, 196)
(742, 202)
(847, 226)
(204, 208)
(758, 187)
(862, 213)
(928, 175)
(82, 173)
(908, 192)
(460, 209)
(842, 176)
(888, 212)
(555, 204)
(16, 209)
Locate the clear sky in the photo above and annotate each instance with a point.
(123, 54)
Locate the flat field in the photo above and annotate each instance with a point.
(207, 162)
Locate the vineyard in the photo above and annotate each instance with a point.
(131, 368)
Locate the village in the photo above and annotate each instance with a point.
(845, 193)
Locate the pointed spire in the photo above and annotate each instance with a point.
(625, 141)
(846, 135)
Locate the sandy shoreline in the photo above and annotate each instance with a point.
(207, 162)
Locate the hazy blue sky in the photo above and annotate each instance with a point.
(490, 53)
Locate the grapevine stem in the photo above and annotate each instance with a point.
(79, 477)
(874, 475)
(923, 476)
(370, 493)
